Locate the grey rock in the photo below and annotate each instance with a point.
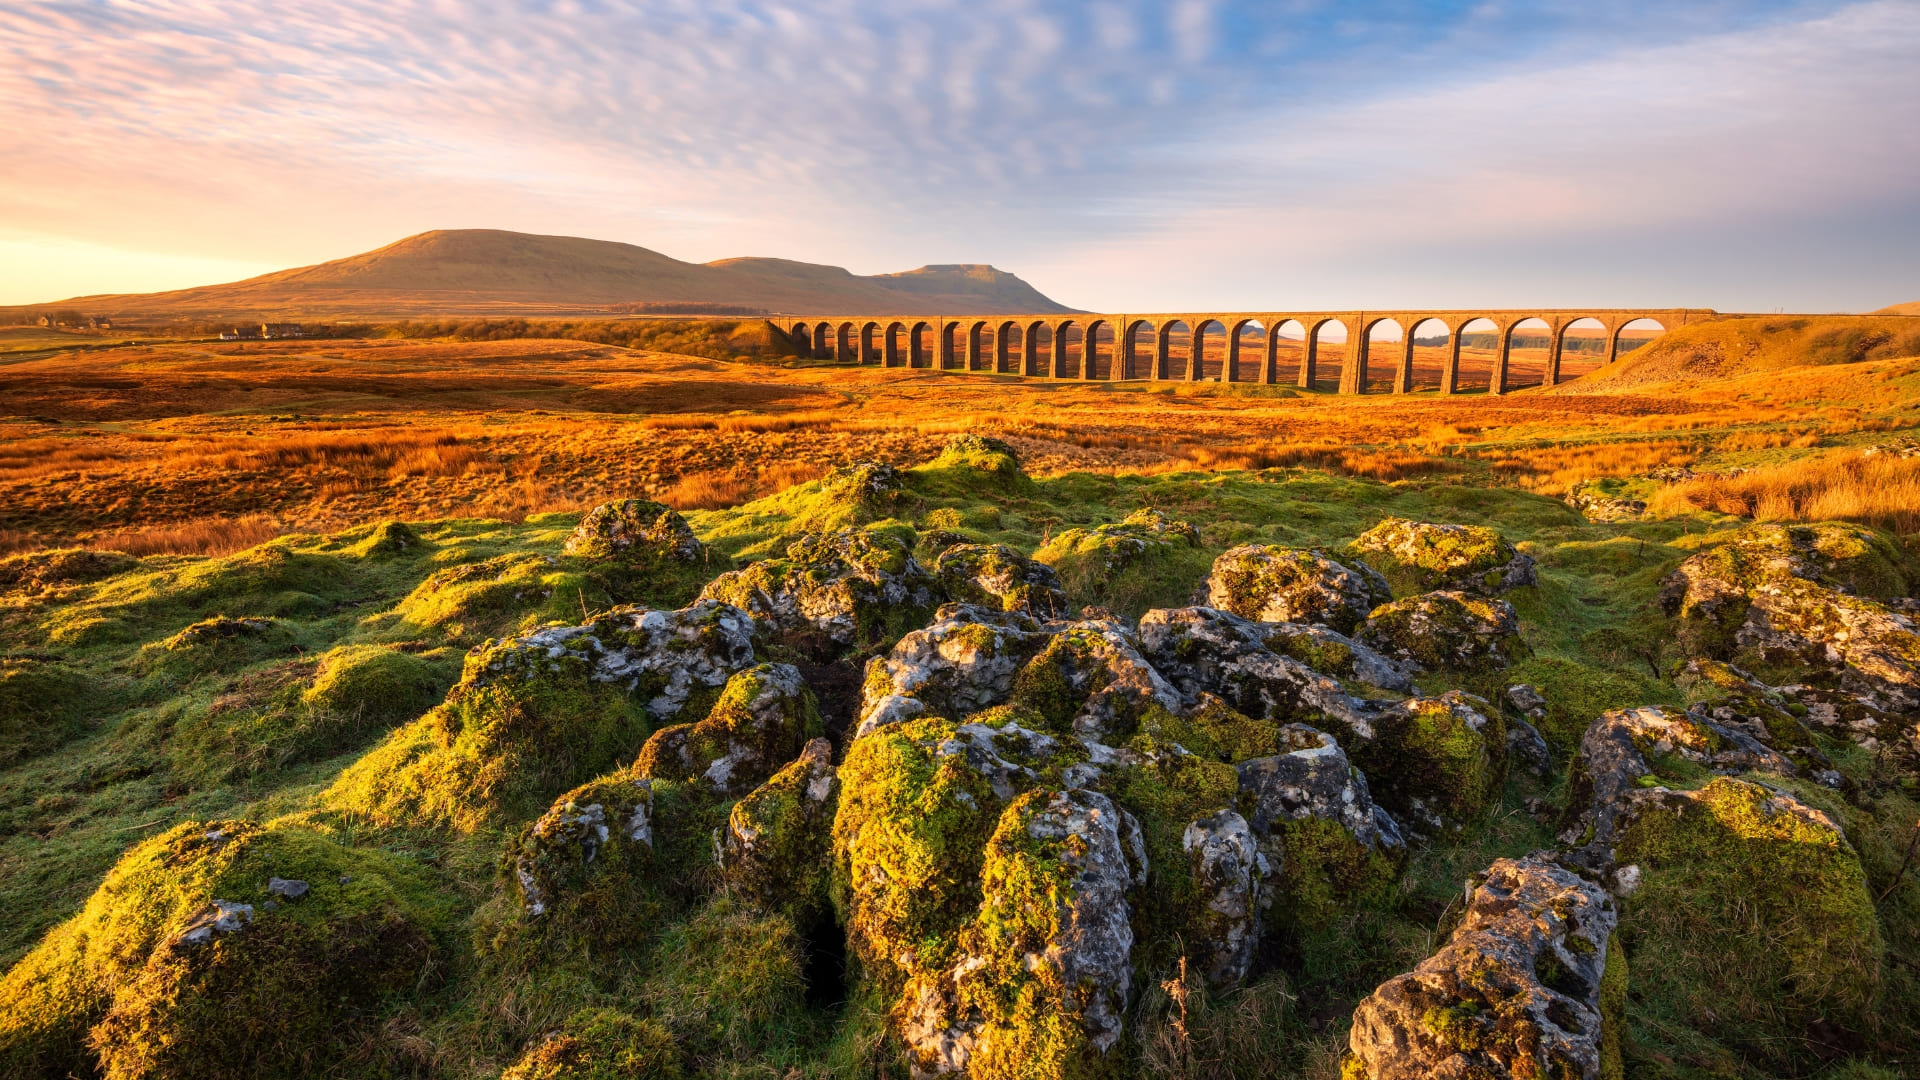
(1228, 870)
(219, 917)
(1274, 584)
(964, 662)
(1528, 747)
(1202, 650)
(287, 888)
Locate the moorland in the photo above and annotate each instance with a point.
(347, 633)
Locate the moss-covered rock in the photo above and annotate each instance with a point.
(1329, 846)
(1873, 652)
(1732, 698)
(1330, 652)
(856, 494)
(601, 1044)
(579, 857)
(965, 661)
(779, 840)
(851, 589)
(635, 530)
(1204, 650)
(1627, 750)
(763, 717)
(1046, 962)
(1516, 991)
(1447, 630)
(984, 456)
(1118, 564)
(1423, 556)
(482, 596)
(994, 575)
(1090, 679)
(1268, 583)
(43, 704)
(222, 949)
(1751, 909)
(1437, 763)
(390, 540)
(381, 685)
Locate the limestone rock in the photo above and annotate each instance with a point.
(1039, 988)
(994, 575)
(1516, 991)
(1228, 870)
(1599, 506)
(1465, 558)
(867, 490)
(1332, 653)
(1875, 651)
(1528, 748)
(1732, 698)
(1201, 650)
(763, 717)
(560, 849)
(219, 917)
(632, 530)
(1267, 583)
(1446, 630)
(779, 836)
(1613, 763)
(1436, 762)
(1099, 554)
(665, 656)
(854, 587)
(1092, 680)
(964, 662)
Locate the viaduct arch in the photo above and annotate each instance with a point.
(1140, 346)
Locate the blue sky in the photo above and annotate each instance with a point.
(1745, 156)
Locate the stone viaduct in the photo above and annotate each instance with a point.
(985, 342)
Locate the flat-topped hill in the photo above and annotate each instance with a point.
(484, 271)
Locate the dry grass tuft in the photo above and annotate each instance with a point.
(1874, 490)
(207, 536)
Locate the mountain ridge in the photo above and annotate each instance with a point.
(496, 272)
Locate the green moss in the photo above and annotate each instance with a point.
(383, 685)
(907, 843)
(1431, 766)
(216, 644)
(730, 984)
(1166, 792)
(490, 596)
(1578, 693)
(37, 571)
(119, 986)
(1417, 557)
(601, 1044)
(390, 540)
(1749, 910)
(1213, 730)
(759, 740)
(1325, 874)
(43, 704)
(1613, 1009)
(519, 728)
(1145, 560)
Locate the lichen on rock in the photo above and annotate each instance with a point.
(602, 828)
(855, 588)
(763, 717)
(1268, 583)
(635, 530)
(963, 662)
(994, 575)
(779, 839)
(1515, 992)
(1202, 650)
(1446, 630)
(1427, 556)
(1437, 763)
(1091, 679)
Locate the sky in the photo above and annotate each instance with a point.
(1119, 155)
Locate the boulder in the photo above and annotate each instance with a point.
(964, 662)
(1732, 698)
(1618, 756)
(1874, 651)
(779, 836)
(1463, 558)
(1449, 630)
(1752, 925)
(763, 718)
(854, 588)
(1045, 967)
(1090, 559)
(1437, 763)
(1330, 652)
(995, 575)
(1525, 745)
(1201, 650)
(635, 531)
(1326, 842)
(1267, 583)
(1228, 871)
(854, 495)
(981, 456)
(1517, 991)
(1091, 679)
(604, 826)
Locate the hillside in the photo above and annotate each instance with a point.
(488, 271)
(1912, 308)
(1730, 346)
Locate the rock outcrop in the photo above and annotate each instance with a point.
(762, 719)
(778, 843)
(854, 588)
(1201, 650)
(635, 531)
(1293, 585)
(994, 575)
(1464, 558)
(1519, 990)
(962, 663)
(1446, 630)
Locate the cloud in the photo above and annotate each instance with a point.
(1121, 150)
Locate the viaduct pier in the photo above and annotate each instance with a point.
(1246, 345)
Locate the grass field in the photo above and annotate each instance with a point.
(249, 480)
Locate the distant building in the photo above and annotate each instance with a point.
(282, 330)
(46, 321)
(242, 333)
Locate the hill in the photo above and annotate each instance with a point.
(489, 271)
(1912, 308)
(1730, 346)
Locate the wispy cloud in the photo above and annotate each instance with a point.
(1122, 152)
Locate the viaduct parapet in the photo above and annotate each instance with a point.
(1111, 347)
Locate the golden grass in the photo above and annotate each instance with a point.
(206, 536)
(1878, 489)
